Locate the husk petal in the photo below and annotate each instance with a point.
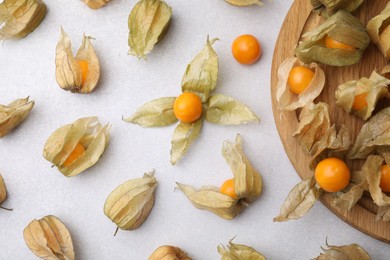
(244, 2)
(239, 252)
(95, 4)
(327, 8)
(352, 251)
(168, 252)
(13, 114)
(379, 30)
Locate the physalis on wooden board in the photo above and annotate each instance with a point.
(3, 193)
(18, 18)
(129, 204)
(95, 4)
(235, 194)
(13, 114)
(327, 8)
(195, 104)
(238, 252)
(352, 251)
(298, 84)
(168, 252)
(360, 97)
(76, 147)
(78, 73)
(48, 238)
(379, 30)
(339, 41)
(148, 22)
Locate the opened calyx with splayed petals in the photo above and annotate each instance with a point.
(289, 101)
(13, 114)
(239, 252)
(361, 96)
(200, 79)
(18, 18)
(95, 4)
(77, 74)
(327, 8)
(129, 204)
(169, 253)
(49, 239)
(247, 185)
(75, 147)
(148, 23)
(379, 30)
(352, 251)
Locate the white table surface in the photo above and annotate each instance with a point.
(35, 189)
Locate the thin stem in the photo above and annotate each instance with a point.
(116, 231)
(6, 208)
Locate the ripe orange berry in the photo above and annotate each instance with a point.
(385, 178)
(333, 44)
(246, 49)
(359, 101)
(299, 79)
(227, 188)
(188, 107)
(84, 70)
(78, 151)
(332, 174)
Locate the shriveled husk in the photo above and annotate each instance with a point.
(13, 114)
(247, 185)
(373, 136)
(327, 8)
(238, 252)
(49, 239)
(85, 131)
(129, 204)
(289, 101)
(95, 4)
(148, 23)
(379, 30)
(374, 87)
(169, 253)
(314, 122)
(346, 252)
(18, 18)
(68, 70)
(342, 27)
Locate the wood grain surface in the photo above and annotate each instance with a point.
(301, 19)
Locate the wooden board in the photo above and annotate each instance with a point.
(299, 20)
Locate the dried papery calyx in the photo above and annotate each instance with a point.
(13, 114)
(352, 251)
(168, 252)
(247, 185)
(129, 204)
(244, 2)
(76, 147)
(95, 4)
(327, 8)
(49, 239)
(78, 73)
(289, 101)
(3, 192)
(379, 30)
(148, 23)
(18, 18)
(238, 252)
(339, 41)
(361, 96)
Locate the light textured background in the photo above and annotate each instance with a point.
(35, 189)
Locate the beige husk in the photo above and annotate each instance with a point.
(86, 131)
(287, 100)
(18, 18)
(347, 252)
(327, 8)
(244, 2)
(49, 239)
(13, 114)
(148, 22)
(169, 253)
(342, 27)
(95, 4)
(313, 124)
(374, 87)
(238, 252)
(3, 190)
(68, 71)
(379, 30)
(129, 204)
(247, 185)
